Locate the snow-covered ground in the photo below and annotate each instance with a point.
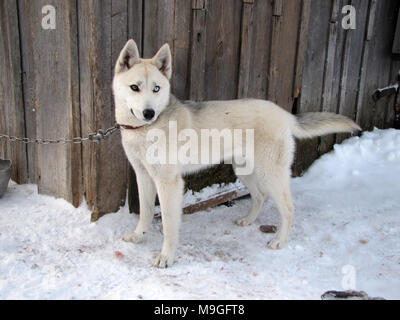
(346, 233)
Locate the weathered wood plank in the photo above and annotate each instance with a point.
(222, 49)
(332, 72)
(215, 200)
(135, 32)
(181, 48)
(104, 165)
(56, 103)
(278, 8)
(301, 46)
(260, 51)
(11, 94)
(285, 23)
(390, 115)
(28, 80)
(245, 50)
(198, 52)
(158, 25)
(396, 42)
(385, 33)
(377, 65)
(255, 49)
(198, 4)
(313, 75)
(364, 64)
(135, 22)
(352, 55)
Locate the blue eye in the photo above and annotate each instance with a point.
(156, 89)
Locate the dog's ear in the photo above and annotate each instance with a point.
(163, 61)
(128, 57)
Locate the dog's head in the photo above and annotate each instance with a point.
(141, 86)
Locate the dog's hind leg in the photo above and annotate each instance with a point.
(257, 197)
(278, 187)
(147, 198)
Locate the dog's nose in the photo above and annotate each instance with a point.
(148, 114)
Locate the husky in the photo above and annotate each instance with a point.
(143, 102)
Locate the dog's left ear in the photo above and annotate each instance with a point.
(163, 61)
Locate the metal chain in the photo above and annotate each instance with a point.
(92, 137)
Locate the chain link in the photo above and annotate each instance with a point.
(92, 137)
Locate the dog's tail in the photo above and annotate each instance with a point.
(314, 124)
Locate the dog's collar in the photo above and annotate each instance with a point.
(127, 127)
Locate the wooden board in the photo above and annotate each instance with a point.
(28, 81)
(376, 64)
(285, 23)
(390, 115)
(135, 32)
(197, 60)
(135, 21)
(396, 42)
(181, 48)
(158, 25)
(11, 94)
(245, 50)
(351, 64)
(102, 33)
(302, 45)
(53, 68)
(313, 79)
(222, 49)
(255, 49)
(333, 68)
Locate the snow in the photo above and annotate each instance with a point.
(345, 235)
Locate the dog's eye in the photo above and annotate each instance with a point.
(135, 88)
(156, 89)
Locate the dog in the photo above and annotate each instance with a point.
(144, 104)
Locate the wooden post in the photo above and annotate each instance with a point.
(48, 54)
(352, 54)
(376, 66)
(246, 49)
(12, 118)
(283, 55)
(396, 42)
(331, 72)
(102, 34)
(198, 51)
(312, 79)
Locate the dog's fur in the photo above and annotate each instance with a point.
(274, 144)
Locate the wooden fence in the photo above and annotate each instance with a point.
(56, 83)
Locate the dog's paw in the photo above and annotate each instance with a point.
(133, 237)
(276, 244)
(243, 222)
(163, 261)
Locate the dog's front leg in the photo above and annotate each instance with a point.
(147, 198)
(170, 194)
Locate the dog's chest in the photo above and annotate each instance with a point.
(134, 144)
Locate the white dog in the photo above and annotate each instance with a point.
(144, 104)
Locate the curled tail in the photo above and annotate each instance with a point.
(314, 124)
